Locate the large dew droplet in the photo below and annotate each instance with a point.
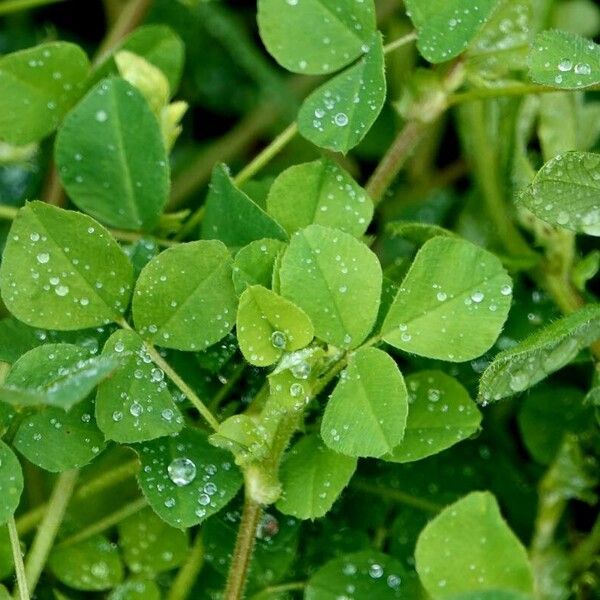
(182, 471)
(279, 340)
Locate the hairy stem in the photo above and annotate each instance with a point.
(15, 545)
(242, 553)
(187, 574)
(107, 522)
(46, 533)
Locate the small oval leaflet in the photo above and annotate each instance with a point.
(53, 273)
(315, 36)
(564, 60)
(373, 387)
(344, 277)
(319, 192)
(37, 87)
(478, 551)
(566, 192)
(111, 157)
(175, 496)
(451, 288)
(11, 482)
(339, 113)
(184, 298)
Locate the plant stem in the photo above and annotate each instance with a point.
(587, 550)
(267, 154)
(107, 522)
(186, 576)
(283, 587)
(403, 41)
(8, 213)
(242, 553)
(177, 380)
(46, 533)
(10, 6)
(397, 496)
(29, 520)
(224, 390)
(15, 544)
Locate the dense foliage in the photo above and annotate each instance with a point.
(331, 335)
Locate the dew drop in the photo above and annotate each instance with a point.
(182, 471)
(278, 340)
(43, 258)
(341, 119)
(565, 65)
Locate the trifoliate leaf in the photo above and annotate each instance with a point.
(254, 264)
(11, 482)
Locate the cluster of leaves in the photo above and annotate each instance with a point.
(239, 356)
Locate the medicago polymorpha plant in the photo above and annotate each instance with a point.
(299, 300)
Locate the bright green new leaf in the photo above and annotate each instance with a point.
(269, 325)
(542, 353)
(184, 298)
(566, 192)
(91, 565)
(369, 574)
(440, 414)
(233, 217)
(547, 414)
(139, 589)
(366, 413)
(112, 159)
(446, 27)
(57, 441)
(316, 36)
(319, 192)
(452, 303)
(468, 547)
(338, 114)
(161, 47)
(185, 479)
(58, 375)
(254, 264)
(53, 273)
(11, 482)
(149, 545)
(37, 87)
(312, 478)
(135, 404)
(564, 60)
(336, 280)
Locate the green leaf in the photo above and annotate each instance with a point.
(254, 264)
(319, 192)
(135, 404)
(150, 546)
(314, 36)
(440, 414)
(91, 565)
(184, 298)
(16, 338)
(452, 290)
(4, 594)
(336, 280)
(6, 558)
(468, 547)
(54, 274)
(369, 574)
(11, 482)
(564, 60)
(233, 217)
(137, 589)
(372, 387)
(547, 414)
(269, 325)
(566, 192)
(185, 479)
(112, 159)
(492, 595)
(161, 47)
(57, 441)
(59, 375)
(312, 478)
(339, 113)
(37, 88)
(446, 27)
(542, 353)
